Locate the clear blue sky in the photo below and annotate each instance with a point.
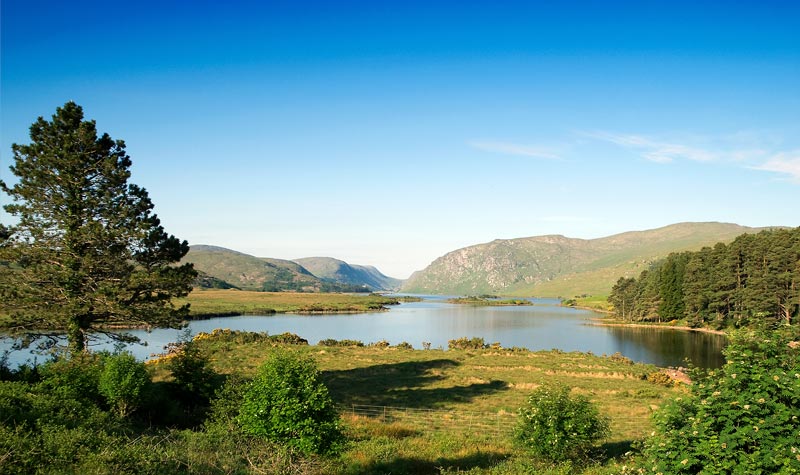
(389, 133)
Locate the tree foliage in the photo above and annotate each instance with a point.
(742, 418)
(288, 403)
(753, 280)
(87, 252)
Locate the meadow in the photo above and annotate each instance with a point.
(434, 411)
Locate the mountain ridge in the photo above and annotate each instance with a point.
(556, 265)
(220, 267)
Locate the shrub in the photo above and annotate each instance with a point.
(124, 382)
(742, 418)
(558, 427)
(195, 381)
(332, 342)
(660, 378)
(380, 344)
(288, 403)
(76, 377)
(288, 339)
(404, 345)
(465, 343)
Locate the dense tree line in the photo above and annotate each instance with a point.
(753, 280)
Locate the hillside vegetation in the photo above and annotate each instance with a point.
(554, 265)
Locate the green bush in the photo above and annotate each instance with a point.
(742, 418)
(76, 377)
(124, 382)
(558, 427)
(195, 381)
(465, 343)
(288, 403)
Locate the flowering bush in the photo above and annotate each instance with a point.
(558, 427)
(742, 418)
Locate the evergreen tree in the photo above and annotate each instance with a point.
(87, 253)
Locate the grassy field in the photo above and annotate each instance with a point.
(205, 303)
(433, 411)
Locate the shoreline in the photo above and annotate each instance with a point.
(600, 323)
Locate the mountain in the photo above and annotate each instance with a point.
(251, 273)
(555, 265)
(334, 270)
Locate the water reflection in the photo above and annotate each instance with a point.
(652, 344)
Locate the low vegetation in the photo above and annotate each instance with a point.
(482, 301)
(210, 303)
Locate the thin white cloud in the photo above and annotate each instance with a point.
(655, 150)
(787, 163)
(516, 149)
(742, 149)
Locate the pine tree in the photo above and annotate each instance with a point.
(87, 253)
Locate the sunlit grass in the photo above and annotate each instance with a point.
(233, 302)
(485, 383)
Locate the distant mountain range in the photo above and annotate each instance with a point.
(554, 265)
(219, 267)
(334, 270)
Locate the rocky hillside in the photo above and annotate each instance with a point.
(334, 270)
(555, 265)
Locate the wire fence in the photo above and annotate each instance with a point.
(497, 424)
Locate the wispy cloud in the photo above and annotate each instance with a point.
(655, 150)
(785, 162)
(516, 149)
(739, 149)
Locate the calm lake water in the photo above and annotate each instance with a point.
(542, 326)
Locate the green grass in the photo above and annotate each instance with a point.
(486, 302)
(207, 303)
(595, 302)
(479, 385)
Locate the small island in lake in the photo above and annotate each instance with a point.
(488, 301)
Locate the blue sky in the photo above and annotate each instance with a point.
(389, 133)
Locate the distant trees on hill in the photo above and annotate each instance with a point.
(755, 279)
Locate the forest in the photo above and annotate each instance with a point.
(753, 281)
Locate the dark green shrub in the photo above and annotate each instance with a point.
(742, 418)
(558, 427)
(194, 380)
(124, 382)
(404, 345)
(76, 377)
(288, 403)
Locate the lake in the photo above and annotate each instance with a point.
(543, 326)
